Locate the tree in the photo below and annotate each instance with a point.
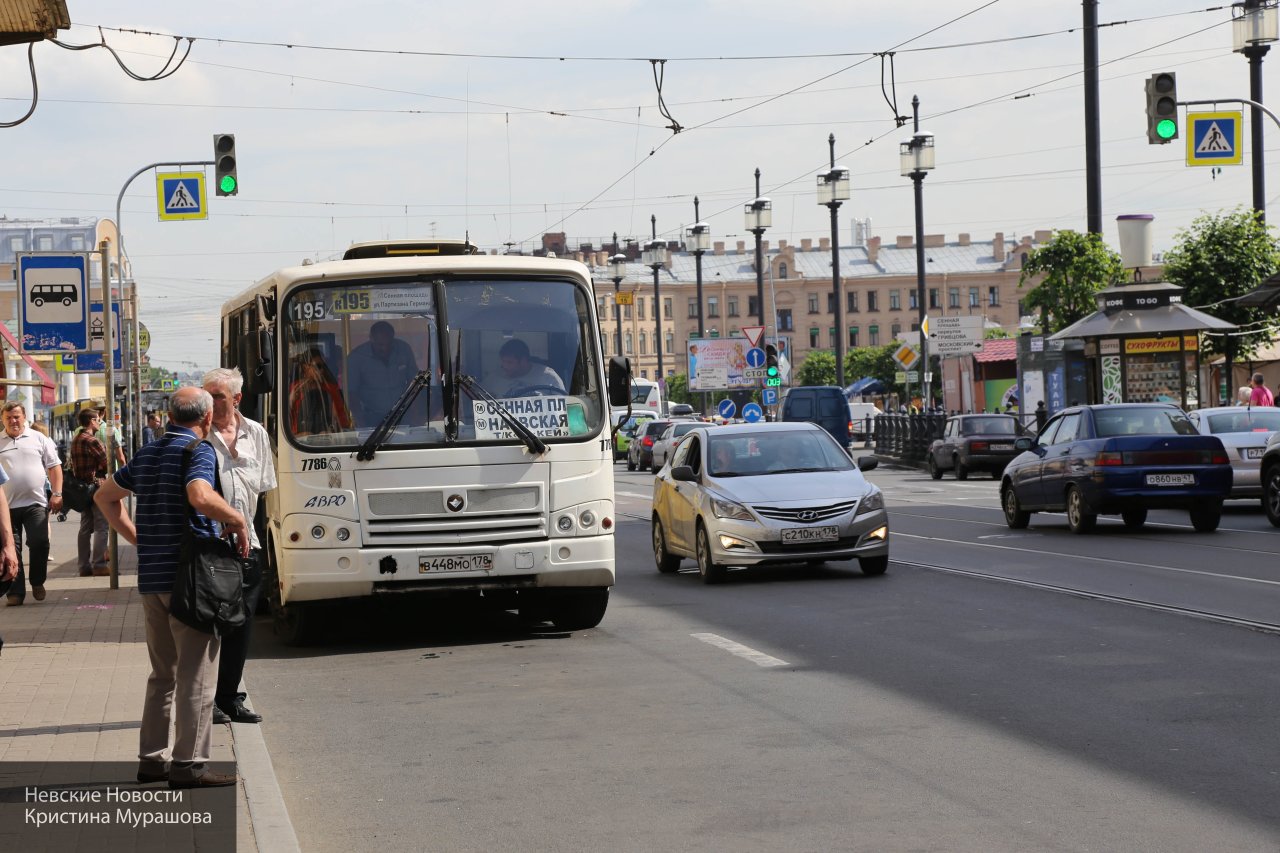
(678, 389)
(819, 368)
(1074, 267)
(874, 362)
(1220, 257)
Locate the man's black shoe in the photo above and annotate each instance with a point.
(241, 714)
(219, 716)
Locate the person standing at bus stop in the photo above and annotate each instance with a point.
(1261, 394)
(247, 470)
(379, 370)
(29, 458)
(89, 463)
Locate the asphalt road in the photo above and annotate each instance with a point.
(996, 690)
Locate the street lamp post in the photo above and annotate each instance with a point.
(617, 272)
(1254, 25)
(833, 188)
(759, 216)
(917, 159)
(698, 240)
(656, 257)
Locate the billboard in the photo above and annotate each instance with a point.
(719, 364)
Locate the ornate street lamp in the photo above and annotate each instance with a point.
(1254, 25)
(833, 188)
(759, 216)
(656, 257)
(617, 272)
(698, 241)
(916, 155)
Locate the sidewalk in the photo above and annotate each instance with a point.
(72, 677)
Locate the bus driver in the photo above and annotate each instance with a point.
(520, 374)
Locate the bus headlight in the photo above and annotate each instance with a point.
(587, 519)
(565, 523)
(317, 532)
(343, 534)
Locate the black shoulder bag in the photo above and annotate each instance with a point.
(208, 591)
(77, 494)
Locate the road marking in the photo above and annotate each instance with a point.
(744, 652)
(632, 495)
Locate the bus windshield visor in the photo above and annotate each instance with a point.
(355, 349)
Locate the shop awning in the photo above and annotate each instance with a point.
(865, 385)
(1166, 319)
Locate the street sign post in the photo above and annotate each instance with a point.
(756, 373)
(53, 291)
(181, 195)
(755, 357)
(753, 334)
(958, 335)
(769, 396)
(93, 361)
(727, 409)
(906, 356)
(751, 413)
(1215, 138)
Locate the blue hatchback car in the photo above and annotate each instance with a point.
(1120, 459)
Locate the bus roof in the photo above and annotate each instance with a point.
(417, 248)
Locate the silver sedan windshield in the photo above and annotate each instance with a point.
(774, 452)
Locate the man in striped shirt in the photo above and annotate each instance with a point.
(184, 661)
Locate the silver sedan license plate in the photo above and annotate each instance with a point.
(1254, 452)
(810, 534)
(1171, 479)
(455, 563)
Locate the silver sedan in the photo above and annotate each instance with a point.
(748, 494)
(1244, 432)
(665, 444)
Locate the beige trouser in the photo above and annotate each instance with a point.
(184, 676)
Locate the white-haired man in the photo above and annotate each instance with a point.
(246, 471)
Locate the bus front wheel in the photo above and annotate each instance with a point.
(296, 625)
(576, 609)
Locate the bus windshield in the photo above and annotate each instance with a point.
(354, 347)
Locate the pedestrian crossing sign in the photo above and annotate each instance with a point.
(181, 195)
(1215, 138)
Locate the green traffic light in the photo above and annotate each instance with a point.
(1166, 128)
(773, 371)
(227, 184)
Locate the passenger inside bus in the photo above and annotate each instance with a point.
(378, 371)
(520, 374)
(315, 398)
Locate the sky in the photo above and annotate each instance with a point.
(503, 120)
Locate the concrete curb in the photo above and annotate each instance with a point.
(272, 829)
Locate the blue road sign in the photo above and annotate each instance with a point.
(181, 195)
(54, 292)
(755, 357)
(1215, 138)
(752, 412)
(727, 409)
(93, 362)
(770, 396)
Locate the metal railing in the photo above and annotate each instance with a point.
(907, 437)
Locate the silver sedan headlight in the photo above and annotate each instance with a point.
(730, 509)
(871, 503)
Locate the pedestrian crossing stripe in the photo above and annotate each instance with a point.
(181, 195)
(1215, 138)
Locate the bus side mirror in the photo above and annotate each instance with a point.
(619, 381)
(264, 371)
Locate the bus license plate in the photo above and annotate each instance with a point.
(456, 563)
(1171, 479)
(810, 534)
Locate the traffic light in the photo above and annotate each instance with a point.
(1162, 108)
(772, 376)
(224, 164)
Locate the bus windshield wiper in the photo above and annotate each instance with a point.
(536, 445)
(394, 416)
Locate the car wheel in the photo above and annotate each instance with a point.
(873, 566)
(666, 561)
(934, 471)
(1271, 494)
(711, 573)
(1134, 518)
(1014, 515)
(962, 473)
(631, 466)
(1079, 518)
(1205, 519)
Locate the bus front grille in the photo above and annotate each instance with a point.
(470, 528)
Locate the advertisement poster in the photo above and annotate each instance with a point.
(719, 364)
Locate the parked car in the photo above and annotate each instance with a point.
(1269, 477)
(974, 443)
(681, 410)
(824, 405)
(640, 452)
(1120, 459)
(622, 438)
(748, 494)
(666, 443)
(1245, 432)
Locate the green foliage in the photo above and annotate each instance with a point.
(678, 389)
(1220, 257)
(819, 368)
(995, 334)
(1074, 267)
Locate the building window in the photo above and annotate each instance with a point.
(831, 303)
(626, 315)
(851, 302)
(644, 344)
(915, 327)
(872, 300)
(782, 270)
(993, 296)
(752, 308)
(973, 298)
(671, 341)
(853, 336)
(44, 243)
(15, 244)
(667, 309)
(785, 323)
(630, 344)
(640, 312)
(953, 297)
(912, 302)
(813, 303)
(895, 300)
(616, 347)
(933, 298)
(713, 306)
(873, 335)
(77, 242)
(600, 304)
(831, 334)
(895, 331)
(813, 338)
(733, 306)
(693, 308)
(644, 374)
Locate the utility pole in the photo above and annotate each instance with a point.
(1092, 121)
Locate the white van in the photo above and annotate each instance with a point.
(862, 416)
